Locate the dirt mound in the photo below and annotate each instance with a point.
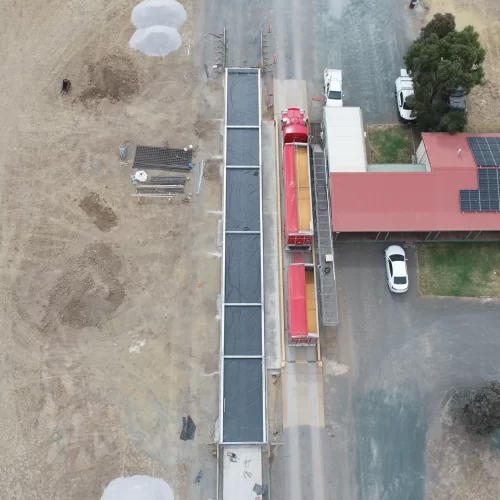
(89, 292)
(95, 207)
(211, 170)
(114, 78)
(202, 127)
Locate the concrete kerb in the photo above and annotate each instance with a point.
(280, 247)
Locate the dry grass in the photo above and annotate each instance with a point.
(482, 127)
(483, 104)
(459, 269)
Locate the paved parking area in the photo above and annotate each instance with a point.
(367, 40)
(402, 354)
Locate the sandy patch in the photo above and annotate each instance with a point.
(105, 330)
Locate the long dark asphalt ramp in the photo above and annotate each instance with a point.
(243, 385)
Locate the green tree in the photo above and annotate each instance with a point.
(481, 411)
(440, 61)
(440, 25)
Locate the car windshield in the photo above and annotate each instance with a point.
(457, 93)
(335, 94)
(400, 280)
(397, 258)
(406, 106)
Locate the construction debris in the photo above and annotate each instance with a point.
(198, 477)
(145, 195)
(66, 85)
(163, 158)
(201, 166)
(188, 428)
(165, 179)
(124, 149)
(220, 51)
(139, 176)
(158, 158)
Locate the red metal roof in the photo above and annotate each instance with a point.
(297, 310)
(409, 201)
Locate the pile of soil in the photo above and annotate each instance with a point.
(113, 77)
(211, 170)
(95, 207)
(89, 291)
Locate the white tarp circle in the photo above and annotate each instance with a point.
(149, 13)
(138, 488)
(156, 41)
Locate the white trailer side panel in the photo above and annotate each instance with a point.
(422, 156)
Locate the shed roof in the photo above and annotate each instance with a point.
(345, 139)
(413, 201)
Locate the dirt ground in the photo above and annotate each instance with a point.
(462, 466)
(108, 316)
(483, 103)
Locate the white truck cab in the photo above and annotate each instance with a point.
(333, 87)
(404, 90)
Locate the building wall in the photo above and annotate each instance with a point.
(422, 156)
(417, 237)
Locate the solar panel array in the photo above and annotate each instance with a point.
(486, 151)
(487, 197)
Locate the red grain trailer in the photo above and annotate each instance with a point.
(302, 305)
(298, 221)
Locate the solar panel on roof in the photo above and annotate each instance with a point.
(486, 151)
(487, 197)
(475, 201)
(464, 200)
(495, 205)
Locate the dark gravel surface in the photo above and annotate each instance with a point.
(404, 353)
(366, 39)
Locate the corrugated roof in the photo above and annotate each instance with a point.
(450, 150)
(413, 201)
(345, 139)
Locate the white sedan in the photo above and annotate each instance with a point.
(397, 272)
(404, 90)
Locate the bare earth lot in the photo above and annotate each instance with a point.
(108, 327)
